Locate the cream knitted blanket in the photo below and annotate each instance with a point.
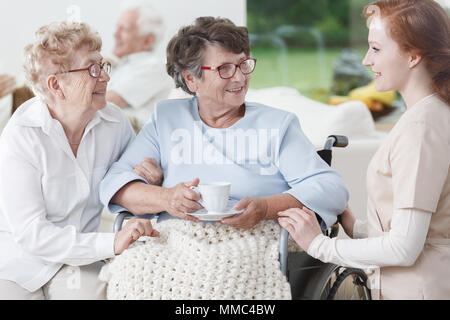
(200, 261)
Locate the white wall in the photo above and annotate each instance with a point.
(19, 19)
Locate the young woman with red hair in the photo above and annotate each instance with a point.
(408, 246)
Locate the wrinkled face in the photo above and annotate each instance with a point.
(388, 62)
(212, 90)
(80, 88)
(127, 36)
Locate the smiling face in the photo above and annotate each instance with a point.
(127, 37)
(80, 89)
(384, 57)
(212, 90)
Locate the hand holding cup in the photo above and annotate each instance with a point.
(181, 199)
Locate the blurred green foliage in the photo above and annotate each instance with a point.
(335, 20)
(298, 42)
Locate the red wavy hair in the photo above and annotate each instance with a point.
(423, 26)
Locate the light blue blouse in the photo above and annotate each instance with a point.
(262, 154)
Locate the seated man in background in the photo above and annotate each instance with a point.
(139, 79)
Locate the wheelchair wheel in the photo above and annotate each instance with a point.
(350, 285)
(332, 282)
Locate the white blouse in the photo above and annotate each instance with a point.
(147, 70)
(49, 202)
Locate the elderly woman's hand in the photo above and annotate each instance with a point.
(150, 171)
(255, 211)
(181, 199)
(301, 224)
(133, 230)
(7, 85)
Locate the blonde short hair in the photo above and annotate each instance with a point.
(52, 51)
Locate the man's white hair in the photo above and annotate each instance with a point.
(149, 20)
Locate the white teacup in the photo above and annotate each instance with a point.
(214, 195)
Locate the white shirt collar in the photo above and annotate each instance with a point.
(38, 115)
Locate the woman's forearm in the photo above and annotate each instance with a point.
(359, 229)
(141, 198)
(280, 202)
(399, 247)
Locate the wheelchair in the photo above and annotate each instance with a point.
(309, 278)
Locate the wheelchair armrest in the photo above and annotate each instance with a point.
(284, 236)
(120, 217)
(333, 231)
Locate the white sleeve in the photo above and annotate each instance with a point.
(24, 208)
(359, 229)
(399, 247)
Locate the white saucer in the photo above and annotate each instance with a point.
(204, 215)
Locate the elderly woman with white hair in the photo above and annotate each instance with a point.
(139, 78)
(53, 153)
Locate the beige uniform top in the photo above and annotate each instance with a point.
(411, 170)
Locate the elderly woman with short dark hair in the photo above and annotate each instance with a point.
(53, 153)
(218, 136)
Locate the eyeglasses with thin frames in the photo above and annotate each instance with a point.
(227, 70)
(94, 69)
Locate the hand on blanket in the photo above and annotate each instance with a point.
(150, 171)
(181, 199)
(133, 230)
(255, 211)
(301, 224)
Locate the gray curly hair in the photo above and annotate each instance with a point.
(185, 51)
